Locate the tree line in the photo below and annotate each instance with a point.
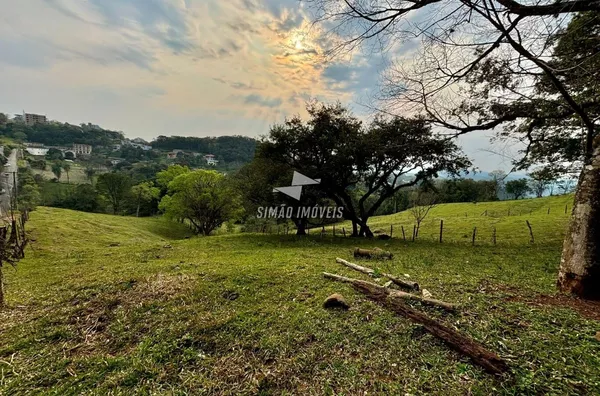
(58, 134)
(226, 148)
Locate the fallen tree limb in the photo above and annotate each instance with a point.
(371, 272)
(393, 293)
(375, 253)
(488, 360)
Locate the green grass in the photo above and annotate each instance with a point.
(76, 174)
(106, 304)
(507, 217)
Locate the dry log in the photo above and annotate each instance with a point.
(394, 293)
(490, 361)
(374, 253)
(370, 272)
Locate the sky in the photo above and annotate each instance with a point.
(183, 67)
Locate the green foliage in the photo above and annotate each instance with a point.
(144, 193)
(29, 196)
(204, 198)
(334, 146)
(542, 178)
(57, 134)
(163, 178)
(90, 172)
(83, 197)
(116, 187)
(225, 148)
(518, 188)
(67, 168)
(38, 163)
(54, 154)
(466, 190)
(57, 168)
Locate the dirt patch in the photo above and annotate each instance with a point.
(91, 316)
(586, 308)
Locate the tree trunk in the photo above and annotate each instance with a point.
(1, 288)
(301, 229)
(371, 272)
(365, 231)
(580, 263)
(354, 228)
(300, 226)
(490, 361)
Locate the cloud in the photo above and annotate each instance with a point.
(162, 20)
(263, 101)
(18, 52)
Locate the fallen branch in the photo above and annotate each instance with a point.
(490, 362)
(392, 292)
(371, 272)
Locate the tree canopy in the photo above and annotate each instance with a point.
(204, 198)
(334, 146)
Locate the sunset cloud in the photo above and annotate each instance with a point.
(164, 67)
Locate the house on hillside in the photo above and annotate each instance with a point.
(144, 147)
(82, 149)
(37, 151)
(32, 119)
(210, 159)
(173, 154)
(116, 161)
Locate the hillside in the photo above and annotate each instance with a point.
(118, 304)
(547, 216)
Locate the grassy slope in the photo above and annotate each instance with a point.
(508, 217)
(76, 174)
(141, 317)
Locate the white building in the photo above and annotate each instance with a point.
(82, 149)
(38, 151)
(210, 160)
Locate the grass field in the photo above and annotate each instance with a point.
(76, 174)
(106, 304)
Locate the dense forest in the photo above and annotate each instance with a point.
(225, 148)
(58, 134)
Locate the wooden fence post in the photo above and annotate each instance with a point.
(530, 231)
(494, 236)
(441, 229)
(344, 231)
(403, 234)
(322, 231)
(474, 234)
(391, 230)
(548, 210)
(566, 208)
(334, 230)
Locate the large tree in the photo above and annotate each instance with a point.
(360, 167)
(144, 192)
(255, 182)
(205, 198)
(116, 187)
(502, 63)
